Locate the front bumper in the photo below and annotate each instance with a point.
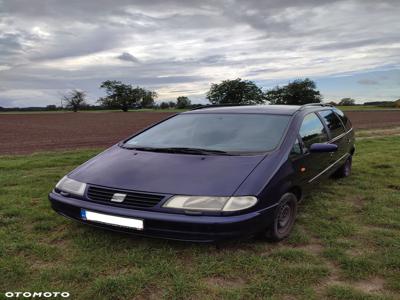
(167, 225)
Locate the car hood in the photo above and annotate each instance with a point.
(168, 173)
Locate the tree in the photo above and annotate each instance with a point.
(51, 107)
(182, 102)
(235, 91)
(298, 92)
(347, 101)
(148, 99)
(120, 95)
(164, 105)
(74, 99)
(172, 104)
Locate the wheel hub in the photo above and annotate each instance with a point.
(284, 216)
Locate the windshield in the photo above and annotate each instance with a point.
(222, 132)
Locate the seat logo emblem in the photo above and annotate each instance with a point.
(117, 197)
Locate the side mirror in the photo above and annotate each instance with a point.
(320, 147)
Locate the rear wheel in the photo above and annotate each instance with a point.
(284, 219)
(345, 170)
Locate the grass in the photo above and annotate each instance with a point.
(381, 132)
(345, 245)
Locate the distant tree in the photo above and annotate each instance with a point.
(51, 107)
(298, 92)
(379, 103)
(120, 95)
(74, 99)
(235, 91)
(347, 101)
(182, 102)
(172, 104)
(148, 99)
(164, 105)
(332, 103)
(397, 103)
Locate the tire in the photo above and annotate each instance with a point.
(285, 217)
(345, 170)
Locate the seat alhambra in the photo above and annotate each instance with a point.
(211, 174)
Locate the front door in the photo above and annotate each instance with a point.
(312, 165)
(337, 135)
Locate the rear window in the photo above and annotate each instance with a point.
(333, 122)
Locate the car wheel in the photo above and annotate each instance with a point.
(345, 170)
(284, 219)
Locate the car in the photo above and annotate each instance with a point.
(211, 174)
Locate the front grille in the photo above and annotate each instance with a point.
(132, 199)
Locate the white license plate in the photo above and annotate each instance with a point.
(111, 220)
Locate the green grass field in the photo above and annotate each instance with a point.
(346, 243)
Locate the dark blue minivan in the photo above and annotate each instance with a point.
(211, 174)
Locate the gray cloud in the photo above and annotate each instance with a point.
(182, 46)
(127, 57)
(368, 82)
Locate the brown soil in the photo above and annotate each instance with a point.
(374, 119)
(28, 133)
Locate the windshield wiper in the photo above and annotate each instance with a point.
(200, 151)
(187, 150)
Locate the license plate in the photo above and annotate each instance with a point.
(111, 220)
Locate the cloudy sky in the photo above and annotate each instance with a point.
(350, 48)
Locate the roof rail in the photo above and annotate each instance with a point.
(314, 104)
(220, 105)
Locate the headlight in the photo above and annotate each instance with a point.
(204, 203)
(69, 185)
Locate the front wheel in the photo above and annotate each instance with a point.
(284, 219)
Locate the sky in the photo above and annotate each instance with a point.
(178, 48)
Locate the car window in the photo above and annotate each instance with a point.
(333, 122)
(344, 118)
(216, 131)
(312, 130)
(296, 149)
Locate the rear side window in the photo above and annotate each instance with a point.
(312, 130)
(343, 117)
(333, 122)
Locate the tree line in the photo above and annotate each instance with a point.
(125, 96)
(228, 92)
(122, 96)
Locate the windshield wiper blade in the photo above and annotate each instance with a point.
(188, 150)
(139, 148)
(195, 150)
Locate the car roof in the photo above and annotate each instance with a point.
(256, 109)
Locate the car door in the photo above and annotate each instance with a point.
(311, 165)
(336, 133)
